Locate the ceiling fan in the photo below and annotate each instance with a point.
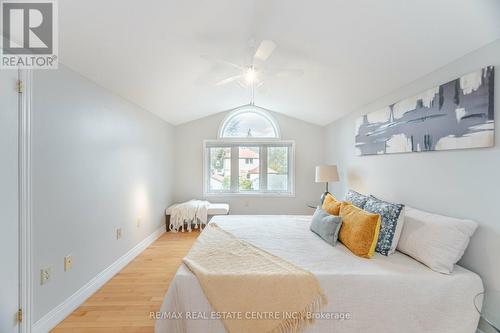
(253, 74)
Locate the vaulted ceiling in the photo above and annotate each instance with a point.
(154, 53)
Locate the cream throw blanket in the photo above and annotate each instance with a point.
(243, 282)
(189, 212)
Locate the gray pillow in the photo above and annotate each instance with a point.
(326, 226)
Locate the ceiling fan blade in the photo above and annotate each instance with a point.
(262, 88)
(229, 80)
(290, 72)
(266, 48)
(242, 83)
(223, 62)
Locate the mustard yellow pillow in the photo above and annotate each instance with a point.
(359, 231)
(331, 205)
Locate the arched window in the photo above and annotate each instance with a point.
(248, 158)
(249, 121)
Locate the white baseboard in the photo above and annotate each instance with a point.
(56, 315)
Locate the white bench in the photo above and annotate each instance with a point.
(213, 209)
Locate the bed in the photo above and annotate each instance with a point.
(383, 294)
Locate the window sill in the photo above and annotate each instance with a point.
(240, 194)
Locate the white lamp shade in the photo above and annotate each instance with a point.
(326, 173)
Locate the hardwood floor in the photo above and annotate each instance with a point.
(123, 304)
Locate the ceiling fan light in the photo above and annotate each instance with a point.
(251, 75)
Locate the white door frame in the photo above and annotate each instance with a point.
(25, 222)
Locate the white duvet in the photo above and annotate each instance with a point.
(384, 294)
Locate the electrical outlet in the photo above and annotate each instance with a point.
(45, 275)
(68, 262)
(138, 222)
(118, 233)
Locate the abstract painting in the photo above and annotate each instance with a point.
(455, 115)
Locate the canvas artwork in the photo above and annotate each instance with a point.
(455, 115)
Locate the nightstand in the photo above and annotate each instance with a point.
(488, 306)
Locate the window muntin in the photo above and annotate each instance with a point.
(249, 122)
(270, 173)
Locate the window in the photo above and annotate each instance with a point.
(277, 171)
(249, 121)
(249, 172)
(249, 167)
(249, 158)
(220, 168)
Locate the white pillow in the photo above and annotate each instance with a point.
(435, 240)
(399, 229)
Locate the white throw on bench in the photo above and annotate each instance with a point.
(193, 213)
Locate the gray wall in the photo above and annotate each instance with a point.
(99, 163)
(461, 183)
(308, 153)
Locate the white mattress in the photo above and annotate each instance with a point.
(384, 294)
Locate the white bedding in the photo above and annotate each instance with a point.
(384, 294)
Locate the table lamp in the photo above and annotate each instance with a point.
(325, 174)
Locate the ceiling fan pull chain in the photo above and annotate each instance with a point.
(252, 101)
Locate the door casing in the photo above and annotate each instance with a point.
(25, 221)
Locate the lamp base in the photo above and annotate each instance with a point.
(323, 196)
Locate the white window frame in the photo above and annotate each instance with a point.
(234, 144)
(249, 109)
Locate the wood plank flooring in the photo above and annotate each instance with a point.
(123, 304)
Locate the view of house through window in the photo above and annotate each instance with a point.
(277, 171)
(243, 168)
(249, 172)
(220, 169)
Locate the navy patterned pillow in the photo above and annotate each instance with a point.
(392, 219)
(357, 199)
